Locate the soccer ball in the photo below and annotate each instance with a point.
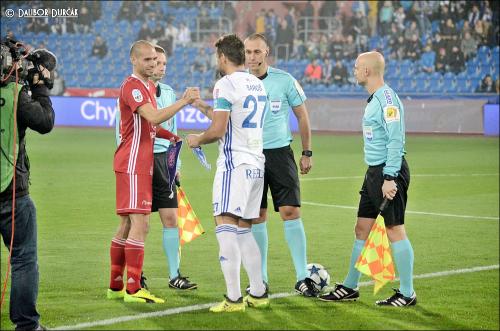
(319, 276)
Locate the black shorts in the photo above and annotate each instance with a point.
(371, 195)
(282, 177)
(161, 185)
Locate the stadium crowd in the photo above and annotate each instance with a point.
(436, 36)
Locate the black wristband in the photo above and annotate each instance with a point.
(307, 153)
(389, 177)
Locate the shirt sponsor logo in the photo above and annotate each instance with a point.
(368, 133)
(391, 114)
(254, 173)
(388, 97)
(137, 95)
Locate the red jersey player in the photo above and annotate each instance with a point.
(133, 166)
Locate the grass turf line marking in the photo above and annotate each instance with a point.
(413, 175)
(407, 212)
(186, 309)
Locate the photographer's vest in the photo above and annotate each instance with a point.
(7, 134)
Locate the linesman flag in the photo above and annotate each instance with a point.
(189, 224)
(375, 259)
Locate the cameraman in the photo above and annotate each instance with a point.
(34, 112)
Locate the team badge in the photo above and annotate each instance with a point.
(368, 133)
(137, 95)
(275, 106)
(391, 114)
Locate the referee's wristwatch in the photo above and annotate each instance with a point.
(389, 177)
(307, 153)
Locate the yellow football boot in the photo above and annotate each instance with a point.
(112, 295)
(228, 306)
(142, 295)
(257, 302)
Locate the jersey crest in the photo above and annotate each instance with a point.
(137, 95)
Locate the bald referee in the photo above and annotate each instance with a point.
(388, 176)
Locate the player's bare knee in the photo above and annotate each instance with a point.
(262, 216)
(396, 233)
(361, 233)
(362, 228)
(244, 223)
(289, 213)
(168, 217)
(169, 222)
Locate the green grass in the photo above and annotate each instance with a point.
(74, 190)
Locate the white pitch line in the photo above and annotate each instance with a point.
(408, 211)
(308, 179)
(192, 308)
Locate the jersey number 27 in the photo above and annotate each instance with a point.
(247, 123)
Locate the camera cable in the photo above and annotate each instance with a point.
(16, 95)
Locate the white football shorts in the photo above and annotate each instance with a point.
(238, 191)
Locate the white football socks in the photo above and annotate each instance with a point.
(230, 259)
(250, 255)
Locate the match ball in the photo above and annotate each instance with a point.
(319, 276)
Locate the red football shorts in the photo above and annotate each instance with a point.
(134, 193)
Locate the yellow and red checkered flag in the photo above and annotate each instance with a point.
(375, 259)
(189, 224)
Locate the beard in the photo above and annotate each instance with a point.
(361, 83)
(157, 77)
(219, 74)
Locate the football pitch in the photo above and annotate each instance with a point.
(452, 221)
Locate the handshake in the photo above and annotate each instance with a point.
(191, 94)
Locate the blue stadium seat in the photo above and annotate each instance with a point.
(461, 85)
(374, 42)
(405, 85)
(406, 70)
(483, 51)
(434, 86)
(435, 26)
(333, 88)
(462, 75)
(421, 86)
(321, 88)
(358, 88)
(406, 62)
(193, 11)
(304, 62)
(493, 70)
(435, 75)
(486, 69)
(421, 76)
(449, 76)
(391, 75)
(473, 61)
(495, 52)
(344, 88)
(390, 65)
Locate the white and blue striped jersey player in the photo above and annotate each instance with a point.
(239, 178)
